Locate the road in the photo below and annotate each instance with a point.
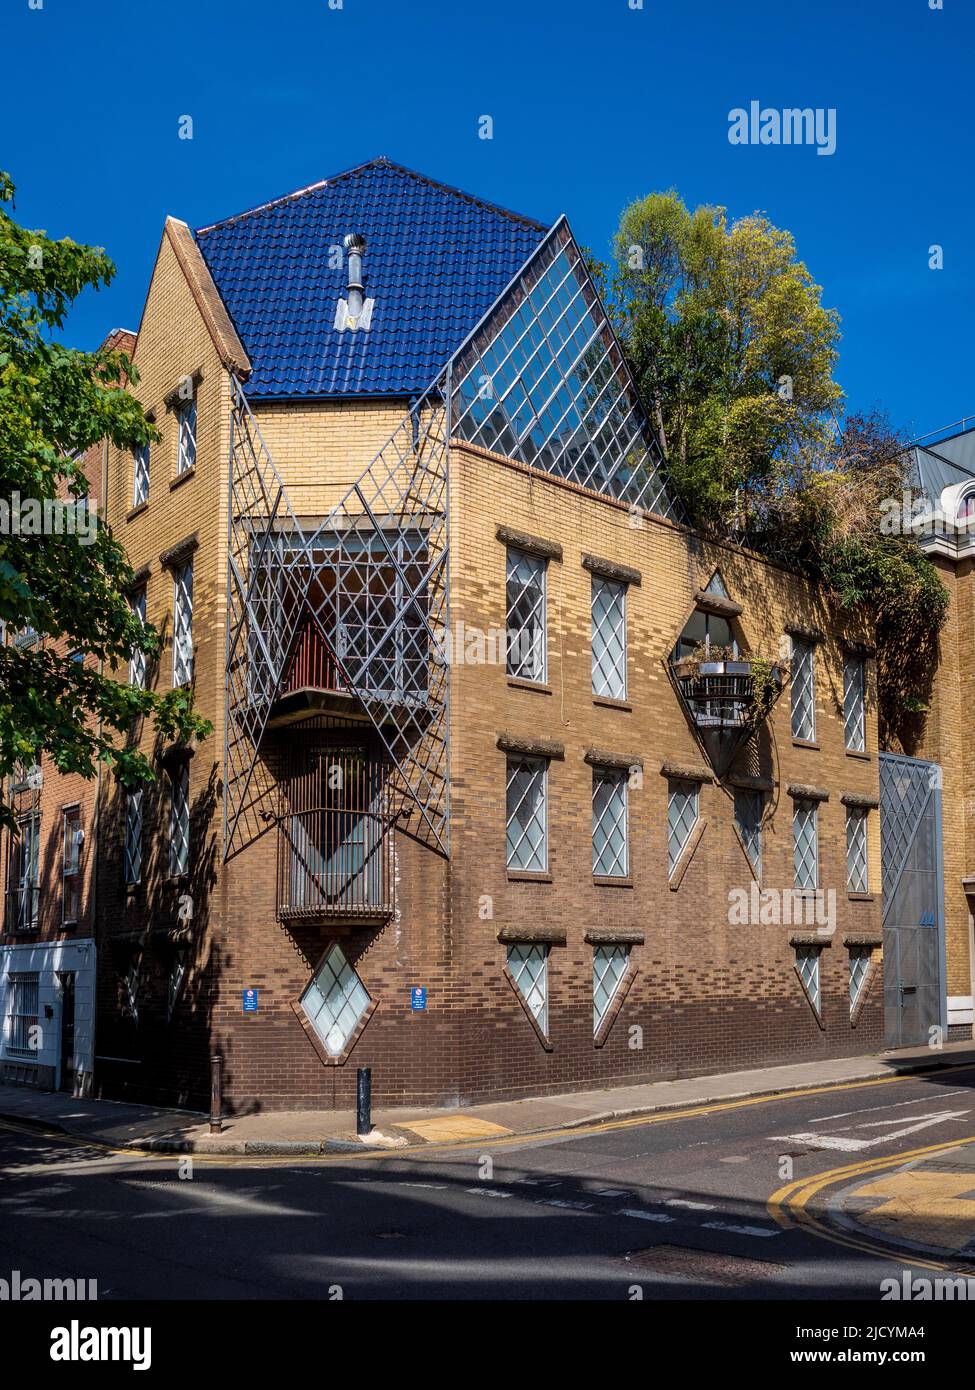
(820, 1195)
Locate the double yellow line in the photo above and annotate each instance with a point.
(789, 1206)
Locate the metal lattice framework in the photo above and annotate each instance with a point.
(371, 576)
(542, 379)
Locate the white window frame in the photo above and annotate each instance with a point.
(803, 690)
(609, 647)
(812, 979)
(749, 813)
(677, 843)
(528, 968)
(185, 435)
(140, 475)
(72, 838)
(527, 642)
(804, 815)
(616, 807)
(857, 850)
(342, 1006)
(854, 704)
(183, 623)
(20, 1019)
(179, 819)
(137, 661)
(858, 977)
(610, 962)
(25, 857)
(516, 768)
(132, 845)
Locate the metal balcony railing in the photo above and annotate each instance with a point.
(335, 864)
(335, 835)
(387, 662)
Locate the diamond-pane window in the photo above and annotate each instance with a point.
(608, 638)
(749, 806)
(544, 382)
(335, 1001)
(805, 844)
(683, 802)
(140, 475)
(133, 835)
(527, 814)
(610, 849)
(807, 964)
(528, 965)
(527, 655)
(608, 969)
(856, 850)
(854, 723)
(183, 624)
(179, 819)
(859, 967)
(803, 691)
(137, 661)
(186, 436)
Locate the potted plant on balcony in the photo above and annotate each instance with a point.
(724, 688)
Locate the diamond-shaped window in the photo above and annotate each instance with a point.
(335, 1001)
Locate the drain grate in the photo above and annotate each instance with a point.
(683, 1261)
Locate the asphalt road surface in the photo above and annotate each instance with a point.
(820, 1195)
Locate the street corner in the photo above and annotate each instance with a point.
(925, 1206)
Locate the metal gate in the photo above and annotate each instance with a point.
(913, 882)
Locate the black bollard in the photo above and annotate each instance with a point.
(363, 1101)
(216, 1095)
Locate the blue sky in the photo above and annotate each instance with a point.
(593, 102)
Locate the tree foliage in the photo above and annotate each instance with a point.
(734, 355)
(55, 403)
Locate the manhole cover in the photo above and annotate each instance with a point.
(682, 1261)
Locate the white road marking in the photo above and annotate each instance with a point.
(691, 1206)
(561, 1202)
(871, 1109)
(644, 1215)
(481, 1191)
(763, 1231)
(848, 1144)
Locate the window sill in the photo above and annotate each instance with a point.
(133, 512)
(182, 478)
(607, 702)
(611, 881)
(539, 687)
(805, 743)
(526, 876)
(856, 753)
(860, 897)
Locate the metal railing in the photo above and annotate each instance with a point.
(335, 864)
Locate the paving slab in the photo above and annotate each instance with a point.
(305, 1132)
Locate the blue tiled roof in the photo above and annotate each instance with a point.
(436, 260)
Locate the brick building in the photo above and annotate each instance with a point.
(516, 783)
(50, 900)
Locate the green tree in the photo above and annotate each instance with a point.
(731, 346)
(734, 355)
(71, 589)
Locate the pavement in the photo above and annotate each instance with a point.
(299, 1133)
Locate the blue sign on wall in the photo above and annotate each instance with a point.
(250, 1001)
(418, 997)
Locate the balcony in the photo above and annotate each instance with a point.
(385, 665)
(335, 838)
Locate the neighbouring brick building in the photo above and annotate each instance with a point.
(500, 799)
(47, 936)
